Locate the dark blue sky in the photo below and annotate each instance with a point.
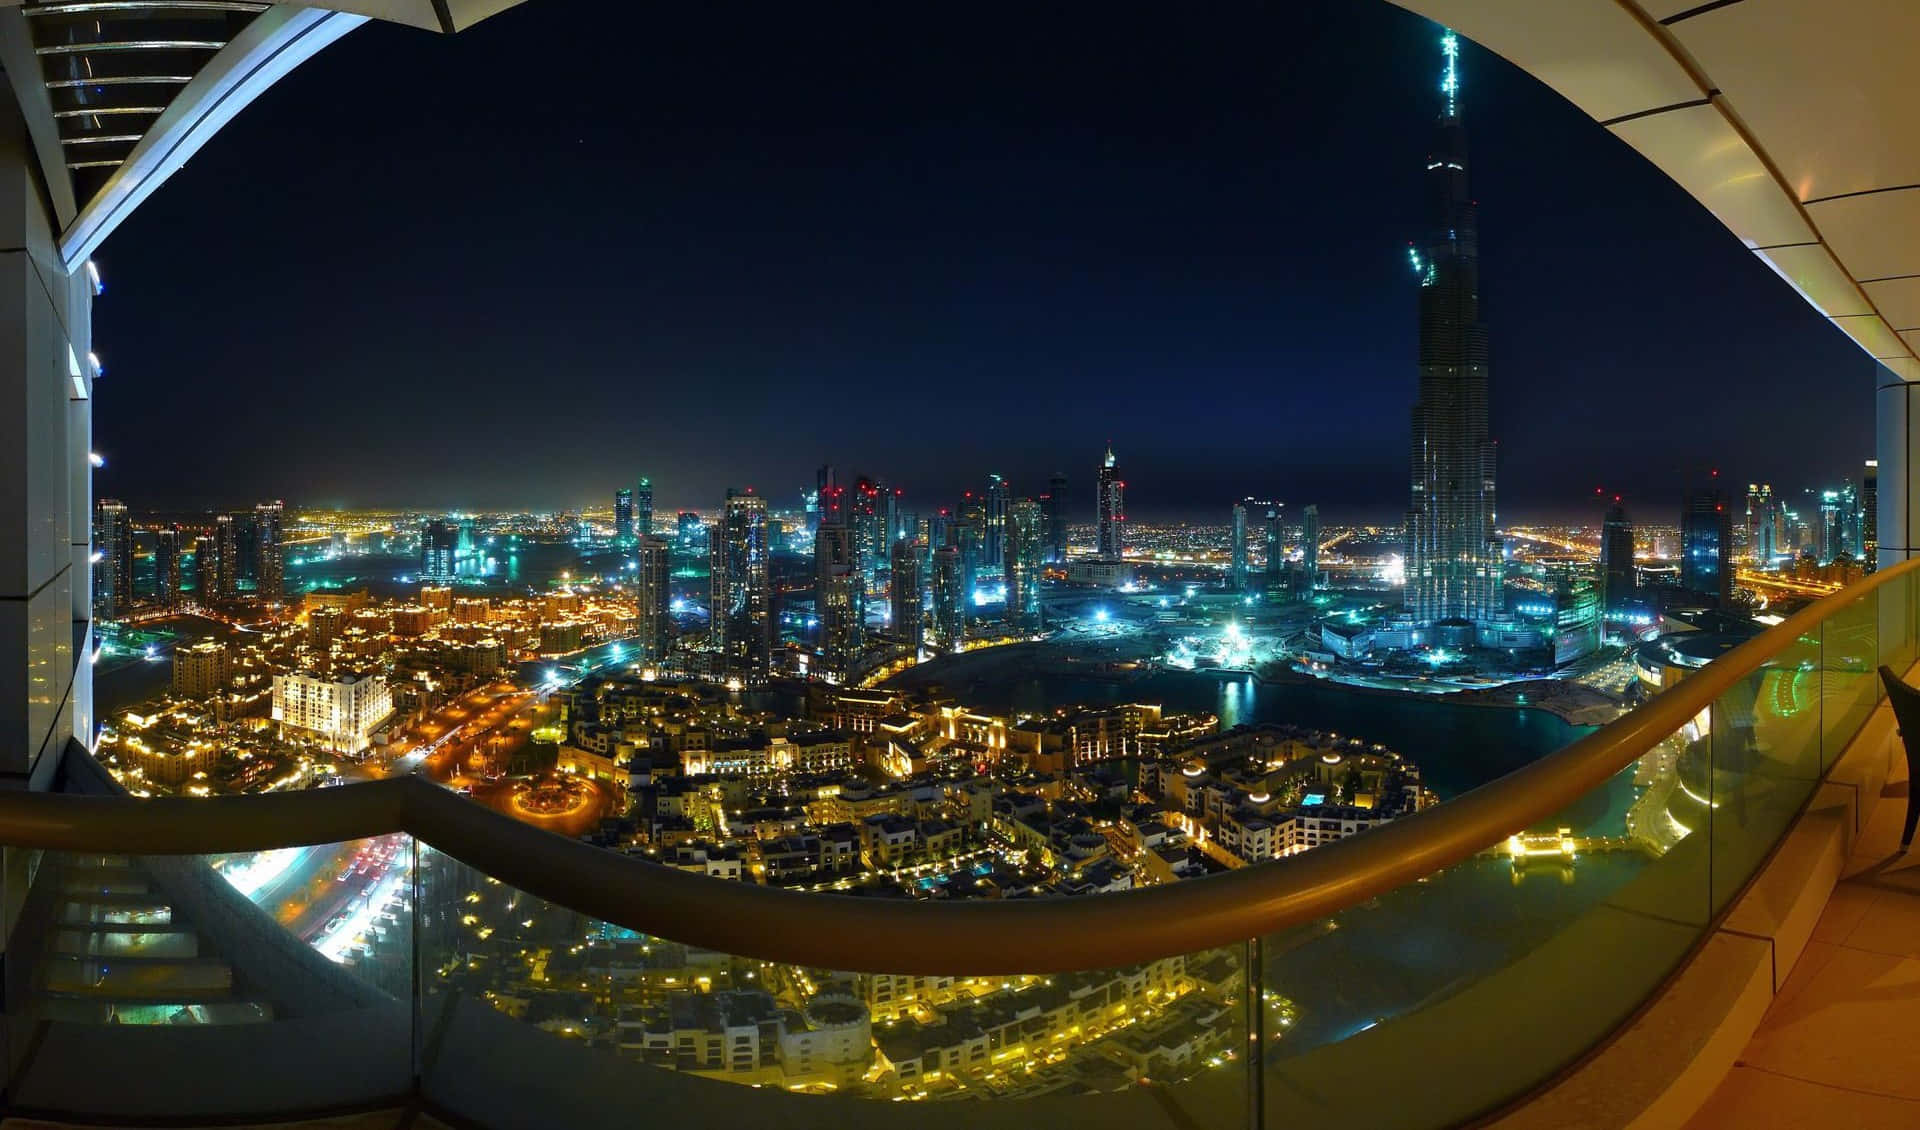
(721, 244)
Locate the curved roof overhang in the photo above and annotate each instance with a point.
(117, 94)
(1792, 121)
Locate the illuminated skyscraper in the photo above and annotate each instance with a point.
(994, 505)
(690, 533)
(623, 516)
(867, 517)
(166, 566)
(1276, 561)
(969, 538)
(1237, 569)
(1453, 559)
(839, 592)
(949, 600)
(1706, 545)
(1618, 581)
(1026, 544)
(206, 569)
(891, 499)
(908, 599)
(1762, 528)
(1309, 551)
(742, 617)
(226, 538)
(1112, 510)
(1055, 502)
(1870, 515)
(113, 573)
(439, 545)
(270, 570)
(653, 597)
(643, 508)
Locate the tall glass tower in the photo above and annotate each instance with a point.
(643, 509)
(1618, 581)
(1237, 570)
(742, 624)
(623, 516)
(1113, 509)
(1026, 539)
(1453, 558)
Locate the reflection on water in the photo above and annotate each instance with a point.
(1457, 745)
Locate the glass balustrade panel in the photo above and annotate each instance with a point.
(1467, 988)
(1849, 682)
(205, 985)
(603, 1023)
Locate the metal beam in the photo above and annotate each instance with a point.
(271, 45)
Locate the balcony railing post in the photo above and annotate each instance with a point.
(418, 1040)
(1256, 1057)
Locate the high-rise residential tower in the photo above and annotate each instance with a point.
(1453, 559)
(226, 538)
(1237, 568)
(1870, 515)
(206, 569)
(908, 602)
(1706, 545)
(270, 570)
(839, 591)
(1618, 580)
(113, 573)
(867, 518)
(439, 543)
(690, 533)
(1839, 532)
(1026, 535)
(949, 600)
(166, 566)
(1309, 551)
(1055, 502)
(1275, 581)
(652, 595)
(1762, 543)
(1111, 536)
(994, 504)
(643, 508)
(623, 516)
(742, 604)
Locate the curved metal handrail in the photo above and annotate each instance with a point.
(989, 937)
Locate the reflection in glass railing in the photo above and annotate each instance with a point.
(665, 1006)
(352, 902)
(165, 972)
(408, 971)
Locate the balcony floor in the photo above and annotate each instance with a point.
(1840, 1045)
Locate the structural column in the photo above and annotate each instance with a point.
(1897, 446)
(45, 477)
(1896, 411)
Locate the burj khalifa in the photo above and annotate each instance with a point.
(1453, 558)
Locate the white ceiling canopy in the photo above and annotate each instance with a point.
(1792, 121)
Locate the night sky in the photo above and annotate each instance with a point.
(722, 244)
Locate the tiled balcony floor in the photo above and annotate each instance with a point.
(1840, 1045)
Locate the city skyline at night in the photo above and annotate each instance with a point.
(991, 258)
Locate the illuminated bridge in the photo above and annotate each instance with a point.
(493, 974)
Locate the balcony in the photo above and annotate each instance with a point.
(1604, 926)
(1678, 920)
